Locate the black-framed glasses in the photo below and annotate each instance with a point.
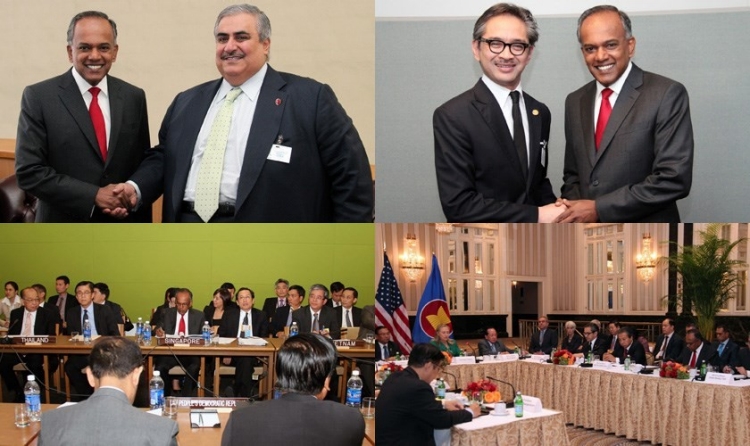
(497, 46)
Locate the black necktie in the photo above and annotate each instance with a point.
(519, 138)
(245, 323)
(85, 315)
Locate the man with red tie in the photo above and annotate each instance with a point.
(697, 350)
(182, 320)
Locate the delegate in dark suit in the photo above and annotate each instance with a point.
(57, 155)
(636, 352)
(267, 422)
(244, 365)
(326, 318)
(408, 413)
(479, 172)
(192, 364)
(674, 348)
(280, 318)
(729, 355)
(356, 315)
(645, 160)
(270, 307)
(70, 302)
(393, 350)
(548, 342)
(301, 113)
(485, 348)
(107, 417)
(706, 353)
(600, 347)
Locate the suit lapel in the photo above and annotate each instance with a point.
(535, 137)
(72, 100)
(116, 107)
(587, 121)
(264, 132)
(625, 102)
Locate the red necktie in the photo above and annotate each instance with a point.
(182, 329)
(604, 111)
(97, 118)
(692, 361)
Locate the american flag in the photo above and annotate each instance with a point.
(390, 310)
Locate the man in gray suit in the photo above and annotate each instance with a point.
(108, 416)
(628, 134)
(82, 131)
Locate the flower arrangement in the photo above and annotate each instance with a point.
(671, 369)
(391, 367)
(482, 391)
(563, 357)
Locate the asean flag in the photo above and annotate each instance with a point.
(433, 308)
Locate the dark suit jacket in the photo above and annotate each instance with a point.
(57, 154)
(706, 353)
(326, 151)
(636, 351)
(269, 307)
(645, 161)
(106, 323)
(119, 314)
(744, 358)
(478, 169)
(729, 356)
(327, 318)
(70, 302)
(356, 315)
(408, 413)
(262, 423)
(550, 342)
(484, 347)
(230, 323)
(280, 318)
(574, 345)
(600, 347)
(196, 319)
(43, 325)
(674, 348)
(393, 350)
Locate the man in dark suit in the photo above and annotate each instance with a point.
(408, 413)
(271, 304)
(82, 131)
(743, 363)
(304, 366)
(103, 323)
(544, 340)
(182, 320)
(316, 317)
(347, 314)
(491, 141)
(240, 322)
(491, 345)
(592, 342)
(384, 347)
(101, 296)
(283, 316)
(29, 320)
(628, 134)
(298, 130)
(697, 350)
(727, 352)
(627, 347)
(336, 291)
(669, 345)
(63, 301)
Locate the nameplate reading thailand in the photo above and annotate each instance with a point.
(180, 342)
(34, 340)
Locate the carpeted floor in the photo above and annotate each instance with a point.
(588, 437)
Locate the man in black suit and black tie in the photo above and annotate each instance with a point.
(627, 347)
(697, 350)
(491, 141)
(669, 345)
(544, 340)
(592, 342)
(384, 347)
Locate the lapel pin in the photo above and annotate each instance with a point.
(280, 138)
(535, 112)
(278, 101)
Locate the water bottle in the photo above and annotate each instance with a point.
(441, 389)
(704, 369)
(518, 404)
(146, 335)
(294, 329)
(33, 403)
(354, 390)
(139, 329)
(590, 357)
(87, 332)
(517, 351)
(156, 391)
(206, 333)
(627, 363)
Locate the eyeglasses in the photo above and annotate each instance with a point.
(588, 333)
(83, 293)
(497, 46)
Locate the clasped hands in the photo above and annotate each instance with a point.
(116, 200)
(569, 211)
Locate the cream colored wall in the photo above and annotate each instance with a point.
(166, 46)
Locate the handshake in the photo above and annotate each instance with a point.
(117, 200)
(569, 211)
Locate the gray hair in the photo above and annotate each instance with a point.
(532, 29)
(570, 324)
(86, 14)
(319, 286)
(602, 8)
(263, 24)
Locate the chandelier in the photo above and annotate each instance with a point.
(412, 264)
(645, 261)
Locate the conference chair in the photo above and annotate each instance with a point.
(16, 205)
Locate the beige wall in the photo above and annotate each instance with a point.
(166, 47)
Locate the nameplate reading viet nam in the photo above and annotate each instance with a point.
(34, 340)
(349, 343)
(184, 341)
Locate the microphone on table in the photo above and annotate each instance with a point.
(507, 404)
(7, 339)
(455, 379)
(472, 349)
(520, 356)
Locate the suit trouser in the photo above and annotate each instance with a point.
(78, 379)
(35, 363)
(244, 385)
(191, 364)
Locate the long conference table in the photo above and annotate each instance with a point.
(639, 407)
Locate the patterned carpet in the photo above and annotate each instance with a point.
(588, 437)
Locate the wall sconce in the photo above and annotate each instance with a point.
(514, 283)
(412, 264)
(645, 261)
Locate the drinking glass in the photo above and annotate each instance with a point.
(22, 415)
(74, 336)
(368, 407)
(170, 407)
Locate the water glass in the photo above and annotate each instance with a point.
(22, 415)
(170, 407)
(74, 336)
(368, 407)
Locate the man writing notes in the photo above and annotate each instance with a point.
(628, 134)
(229, 148)
(82, 131)
(491, 141)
